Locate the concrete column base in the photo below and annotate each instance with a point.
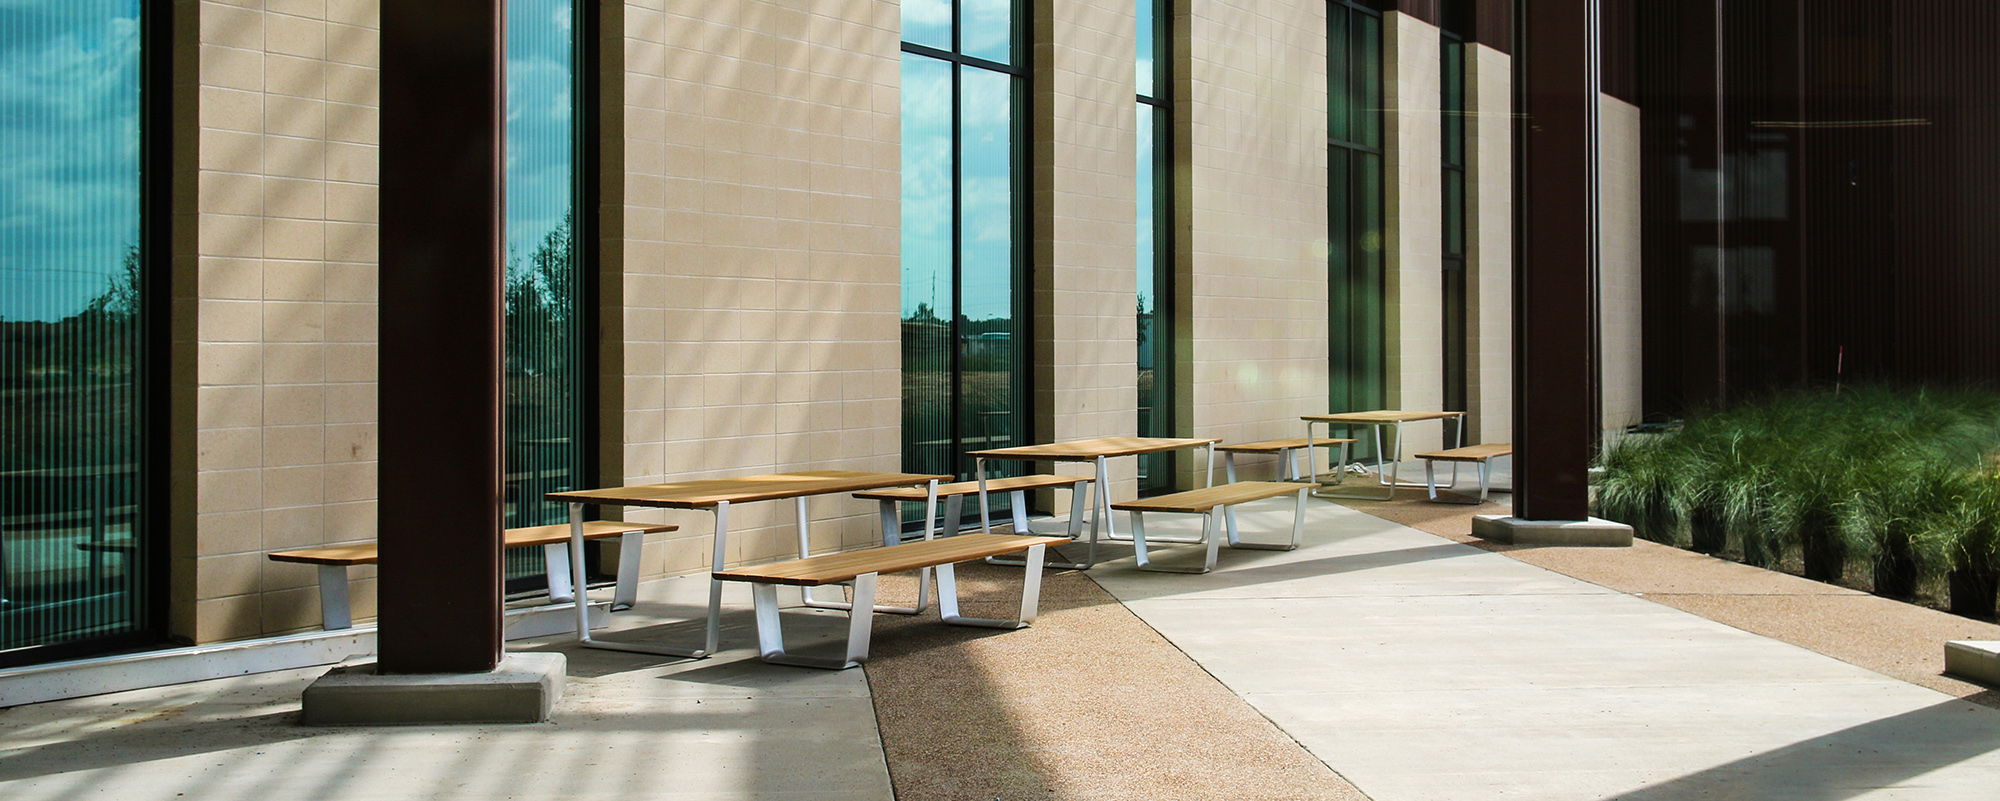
(1973, 660)
(523, 689)
(1592, 533)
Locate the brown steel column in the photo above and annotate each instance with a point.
(1556, 253)
(441, 331)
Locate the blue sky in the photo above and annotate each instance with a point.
(69, 151)
(539, 121)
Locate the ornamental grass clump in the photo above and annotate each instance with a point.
(1898, 484)
(1638, 487)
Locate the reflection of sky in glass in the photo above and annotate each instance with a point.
(539, 121)
(1145, 205)
(927, 22)
(987, 29)
(69, 152)
(987, 181)
(1145, 51)
(926, 185)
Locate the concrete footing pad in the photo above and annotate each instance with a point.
(1974, 660)
(1592, 533)
(523, 689)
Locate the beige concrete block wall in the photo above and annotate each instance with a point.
(1414, 218)
(276, 303)
(760, 284)
(1490, 245)
(1250, 121)
(1618, 271)
(1085, 277)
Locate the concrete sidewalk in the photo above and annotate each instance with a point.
(1414, 666)
(1425, 669)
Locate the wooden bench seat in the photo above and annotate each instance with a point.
(1287, 451)
(863, 566)
(334, 560)
(1481, 454)
(1213, 502)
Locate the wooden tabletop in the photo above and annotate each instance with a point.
(1084, 450)
(1383, 416)
(709, 492)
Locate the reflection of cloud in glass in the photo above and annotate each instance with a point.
(1146, 212)
(927, 204)
(927, 22)
(539, 121)
(69, 152)
(986, 152)
(1144, 47)
(987, 29)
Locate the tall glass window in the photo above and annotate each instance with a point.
(1357, 357)
(1156, 239)
(1452, 108)
(547, 388)
(964, 303)
(78, 558)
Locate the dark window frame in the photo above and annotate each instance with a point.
(1346, 344)
(1156, 471)
(1021, 204)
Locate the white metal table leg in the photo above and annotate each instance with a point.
(334, 610)
(555, 568)
(771, 636)
(631, 553)
(714, 627)
(1103, 510)
(890, 536)
(1340, 467)
(1209, 536)
(1031, 584)
(1076, 498)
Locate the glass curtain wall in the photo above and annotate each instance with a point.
(545, 305)
(964, 301)
(1156, 240)
(1357, 355)
(78, 559)
(1452, 119)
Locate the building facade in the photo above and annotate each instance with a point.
(742, 237)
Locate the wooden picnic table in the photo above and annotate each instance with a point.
(1389, 479)
(1099, 451)
(717, 495)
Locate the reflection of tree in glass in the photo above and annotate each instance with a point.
(68, 386)
(541, 307)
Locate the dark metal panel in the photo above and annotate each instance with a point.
(1431, 11)
(1556, 217)
(1493, 24)
(1678, 81)
(440, 384)
(1619, 42)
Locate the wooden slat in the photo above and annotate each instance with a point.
(972, 487)
(1207, 498)
(1086, 449)
(709, 492)
(1471, 453)
(1276, 445)
(828, 568)
(365, 553)
(1381, 416)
